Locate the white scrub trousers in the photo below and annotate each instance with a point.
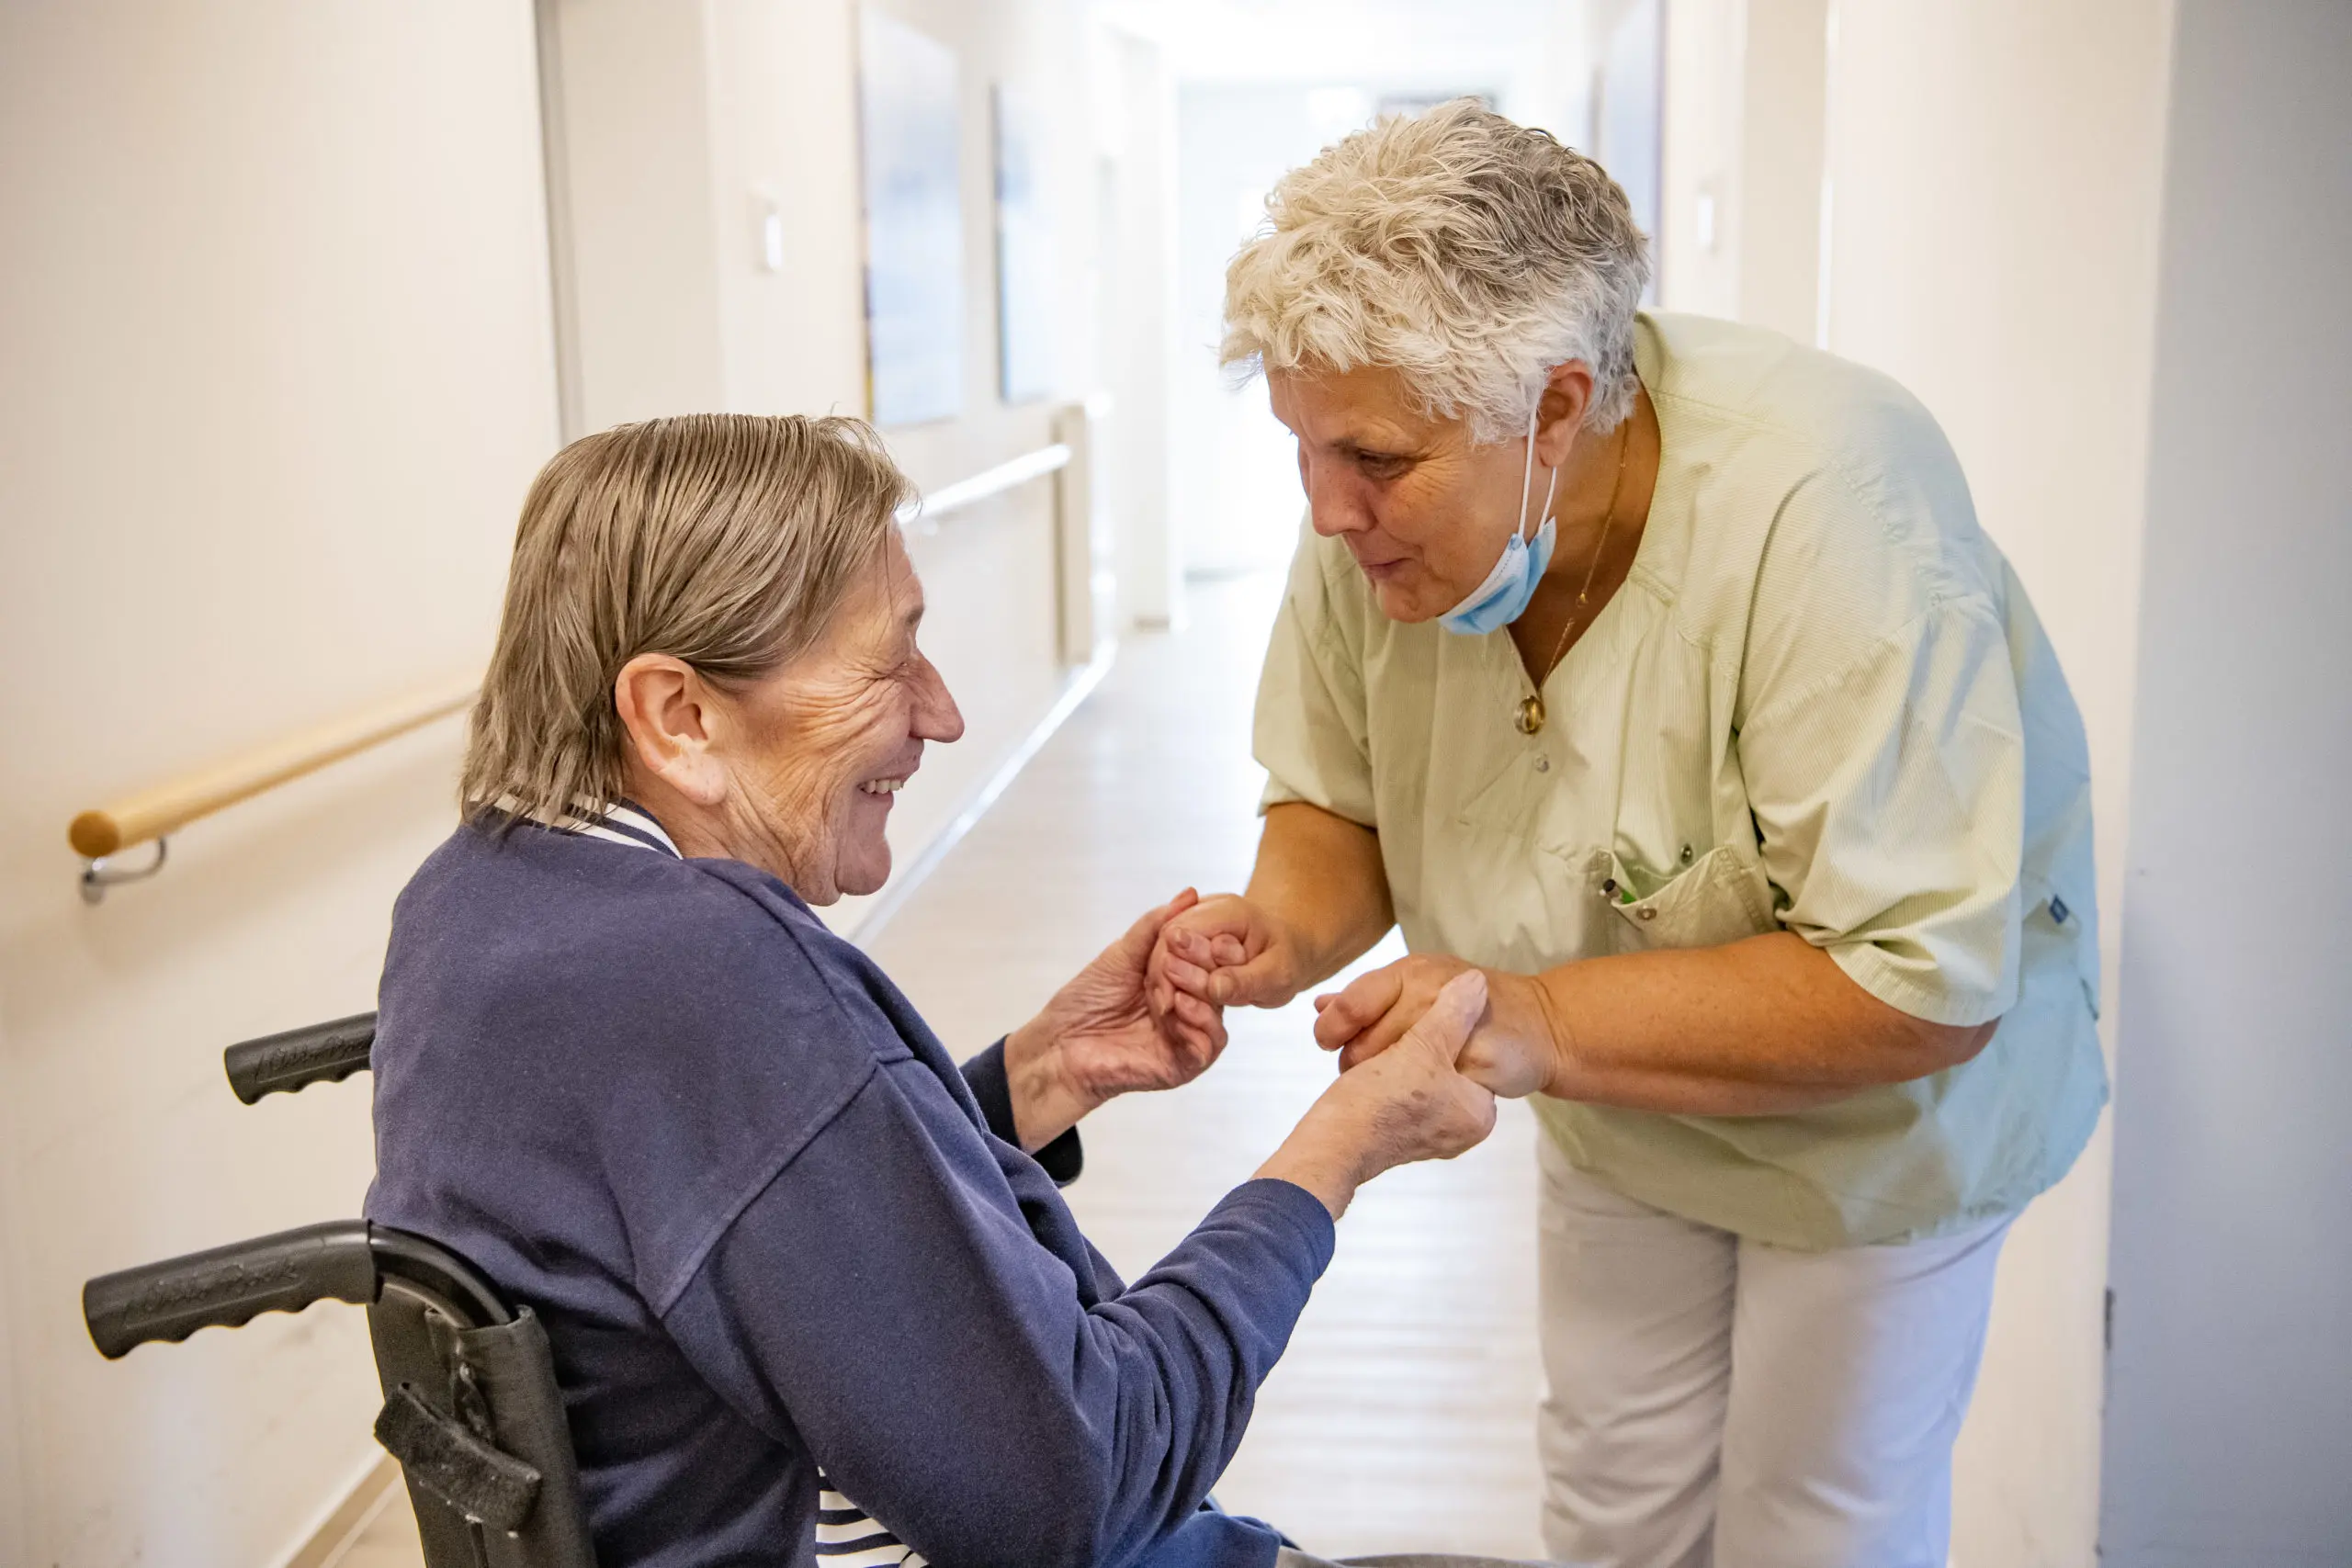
(1716, 1403)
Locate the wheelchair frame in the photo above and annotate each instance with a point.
(471, 1410)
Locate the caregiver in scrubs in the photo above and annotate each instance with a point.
(1659, 666)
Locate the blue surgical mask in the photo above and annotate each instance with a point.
(1503, 597)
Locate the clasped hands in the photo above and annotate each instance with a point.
(1147, 1014)
(1227, 952)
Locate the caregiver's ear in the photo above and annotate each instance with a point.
(666, 710)
(1568, 399)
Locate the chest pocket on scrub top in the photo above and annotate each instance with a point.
(1722, 897)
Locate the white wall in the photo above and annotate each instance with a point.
(2230, 1391)
(1139, 315)
(642, 243)
(677, 120)
(1745, 103)
(1697, 247)
(784, 128)
(1778, 217)
(1236, 495)
(278, 368)
(1994, 174)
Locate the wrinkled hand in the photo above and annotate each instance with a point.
(1511, 1051)
(1408, 1103)
(1099, 1038)
(1226, 952)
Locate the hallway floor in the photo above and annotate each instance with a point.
(1402, 1417)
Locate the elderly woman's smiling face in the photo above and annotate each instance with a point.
(794, 772)
(1424, 510)
(830, 736)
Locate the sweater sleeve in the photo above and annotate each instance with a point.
(885, 1301)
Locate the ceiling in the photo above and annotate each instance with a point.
(1448, 45)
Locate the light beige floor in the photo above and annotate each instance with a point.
(1402, 1417)
(390, 1540)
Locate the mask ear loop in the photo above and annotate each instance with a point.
(1527, 479)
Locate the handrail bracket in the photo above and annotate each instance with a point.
(100, 873)
(100, 836)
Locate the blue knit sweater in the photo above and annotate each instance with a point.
(774, 1232)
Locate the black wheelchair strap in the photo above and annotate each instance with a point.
(485, 1485)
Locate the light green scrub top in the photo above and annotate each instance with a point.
(1821, 703)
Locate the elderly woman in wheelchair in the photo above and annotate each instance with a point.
(812, 1293)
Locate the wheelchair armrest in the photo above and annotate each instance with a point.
(323, 1052)
(230, 1285)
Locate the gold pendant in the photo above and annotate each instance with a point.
(1530, 715)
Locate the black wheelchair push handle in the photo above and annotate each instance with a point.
(230, 1285)
(325, 1053)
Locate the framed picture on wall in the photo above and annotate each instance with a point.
(1024, 252)
(906, 102)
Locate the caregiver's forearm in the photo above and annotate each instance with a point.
(1321, 875)
(1765, 1025)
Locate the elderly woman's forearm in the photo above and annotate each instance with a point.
(891, 1320)
(1765, 1026)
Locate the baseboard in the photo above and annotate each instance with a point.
(376, 1488)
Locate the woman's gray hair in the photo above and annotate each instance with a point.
(724, 540)
(1467, 253)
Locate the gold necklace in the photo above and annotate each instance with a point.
(1531, 708)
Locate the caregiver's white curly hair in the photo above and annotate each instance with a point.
(1466, 252)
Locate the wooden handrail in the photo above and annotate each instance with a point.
(151, 813)
(172, 804)
(987, 482)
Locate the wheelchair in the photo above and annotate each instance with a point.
(471, 1411)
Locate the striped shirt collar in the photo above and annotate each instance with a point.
(626, 822)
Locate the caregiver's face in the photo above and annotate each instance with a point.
(823, 743)
(1424, 510)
